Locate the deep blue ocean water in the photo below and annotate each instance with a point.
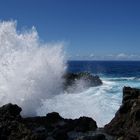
(124, 73)
(107, 68)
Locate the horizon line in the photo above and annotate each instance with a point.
(106, 60)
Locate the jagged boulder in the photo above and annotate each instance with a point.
(11, 126)
(126, 123)
(53, 117)
(84, 124)
(10, 110)
(91, 81)
(52, 126)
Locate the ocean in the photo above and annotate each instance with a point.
(31, 76)
(102, 102)
(128, 69)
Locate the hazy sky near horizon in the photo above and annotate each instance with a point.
(90, 29)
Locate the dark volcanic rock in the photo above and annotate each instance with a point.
(124, 126)
(52, 126)
(60, 135)
(84, 124)
(53, 117)
(10, 110)
(126, 123)
(71, 78)
(95, 137)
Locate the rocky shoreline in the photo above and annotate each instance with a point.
(124, 126)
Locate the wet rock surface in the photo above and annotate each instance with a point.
(126, 123)
(91, 80)
(52, 126)
(124, 126)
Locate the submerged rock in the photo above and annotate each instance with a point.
(90, 80)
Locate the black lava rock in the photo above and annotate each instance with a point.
(126, 123)
(91, 81)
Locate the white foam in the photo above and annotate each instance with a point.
(96, 102)
(121, 78)
(29, 70)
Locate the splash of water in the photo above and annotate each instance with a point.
(31, 74)
(98, 103)
(29, 70)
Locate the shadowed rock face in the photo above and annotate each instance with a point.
(51, 126)
(126, 123)
(10, 110)
(124, 126)
(91, 81)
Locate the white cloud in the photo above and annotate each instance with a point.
(119, 56)
(122, 55)
(91, 55)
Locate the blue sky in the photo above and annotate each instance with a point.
(91, 29)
